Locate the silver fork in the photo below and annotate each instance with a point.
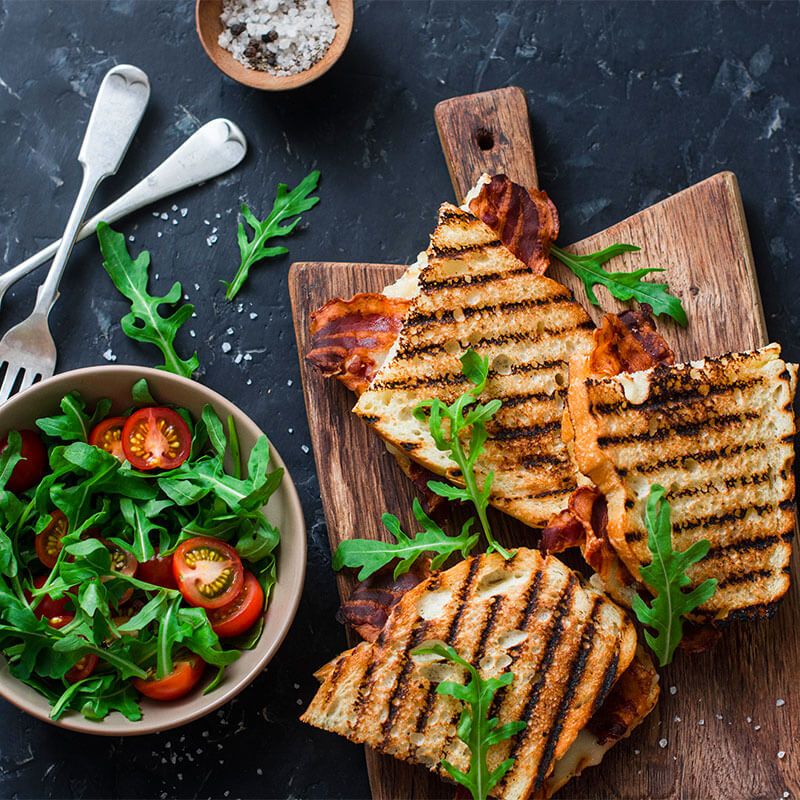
(27, 351)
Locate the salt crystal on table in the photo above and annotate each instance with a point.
(230, 331)
(192, 334)
(174, 222)
(184, 212)
(701, 722)
(226, 347)
(131, 238)
(779, 703)
(304, 448)
(155, 213)
(159, 234)
(165, 215)
(238, 358)
(662, 743)
(174, 208)
(289, 382)
(291, 430)
(197, 287)
(673, 689)
(757, 728)
(781, 753)
(253, 315)
(749, 720)
(718, 716)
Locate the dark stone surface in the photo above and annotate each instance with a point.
(629, 103)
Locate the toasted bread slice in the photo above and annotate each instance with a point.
(565, 644)
(475, 294)
(718, 435)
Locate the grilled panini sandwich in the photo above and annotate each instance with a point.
(474, 293)
(718, 434)
(568, 647)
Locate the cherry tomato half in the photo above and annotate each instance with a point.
(60, 622)
(122, 561)
(48, 542)
(83, 669)
(208, 572)
(156, 438)
(184, 677)
(107, 435)
(158, 571)
(47, 607)
(238, 615)
(30, 470)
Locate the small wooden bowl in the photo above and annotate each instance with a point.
(209, 27)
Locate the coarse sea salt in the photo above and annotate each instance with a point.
(282, 37)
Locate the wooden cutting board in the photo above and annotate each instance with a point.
(719, 725)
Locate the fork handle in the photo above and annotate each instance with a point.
(48, 291)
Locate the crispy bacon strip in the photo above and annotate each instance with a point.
(631, 699)
(584, 524)
(372, 600)
(525, 220)
(350, 339)
(629, 342)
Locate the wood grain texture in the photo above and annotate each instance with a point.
(486, 132)
(722, 726)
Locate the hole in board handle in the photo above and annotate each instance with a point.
(484, 139)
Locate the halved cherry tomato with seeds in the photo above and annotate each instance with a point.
(30, 469)
(48, 542)
(47, 607)
(158, 571)
(107, 435)
(186, 672)
(240, 614)
(83, 669)
(208, 572)
(156, 438)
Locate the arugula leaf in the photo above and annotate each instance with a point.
(474, 728)
(371, 555)
(74, 425)
(141, 518)
(666, 574)
(287, 204)
(465, 414)
(622, 285)
(144, 323)
(140, 394)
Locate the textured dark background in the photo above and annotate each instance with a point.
(630, 102)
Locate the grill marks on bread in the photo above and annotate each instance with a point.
(565, 644)
(475, 294)
(718, 434)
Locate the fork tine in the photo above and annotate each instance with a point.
(8, 382)
(27, 379)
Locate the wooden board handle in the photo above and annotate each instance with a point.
(487, 132)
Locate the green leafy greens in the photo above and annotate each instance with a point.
(287, 204)
(371, 555)
(144, 323)
(622, 285)
(138, 513)
(475, 729)
(466, 414)
(666, 574)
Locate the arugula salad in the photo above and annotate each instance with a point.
(131, 561)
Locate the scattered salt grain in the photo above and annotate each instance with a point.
(299, 701)
(756, 727)
(673, 689)
(662, 743)
(677, 719)
(230, 331)
(218, 215)
(291, 430)
(174, 222)
(304, 448)
(749, 720)
(240, 308)
(253, 315)
(636, 752)
(718, 716)
(296, 685)
(155, 214)
(289, 382)
(165, 215)
(206, 222)
(248, 357)
(249, 381)
(779, 703)
(781, 753)
(214, 230)
(701, 722)
(197, 287)
(159, 234)
(184, 212)
(131, 238)
(786, 794)
(192, 334)
(260, 771)
(238, 358)
(108, 355)
(226, 347)
(174, 208)
(210, 240)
